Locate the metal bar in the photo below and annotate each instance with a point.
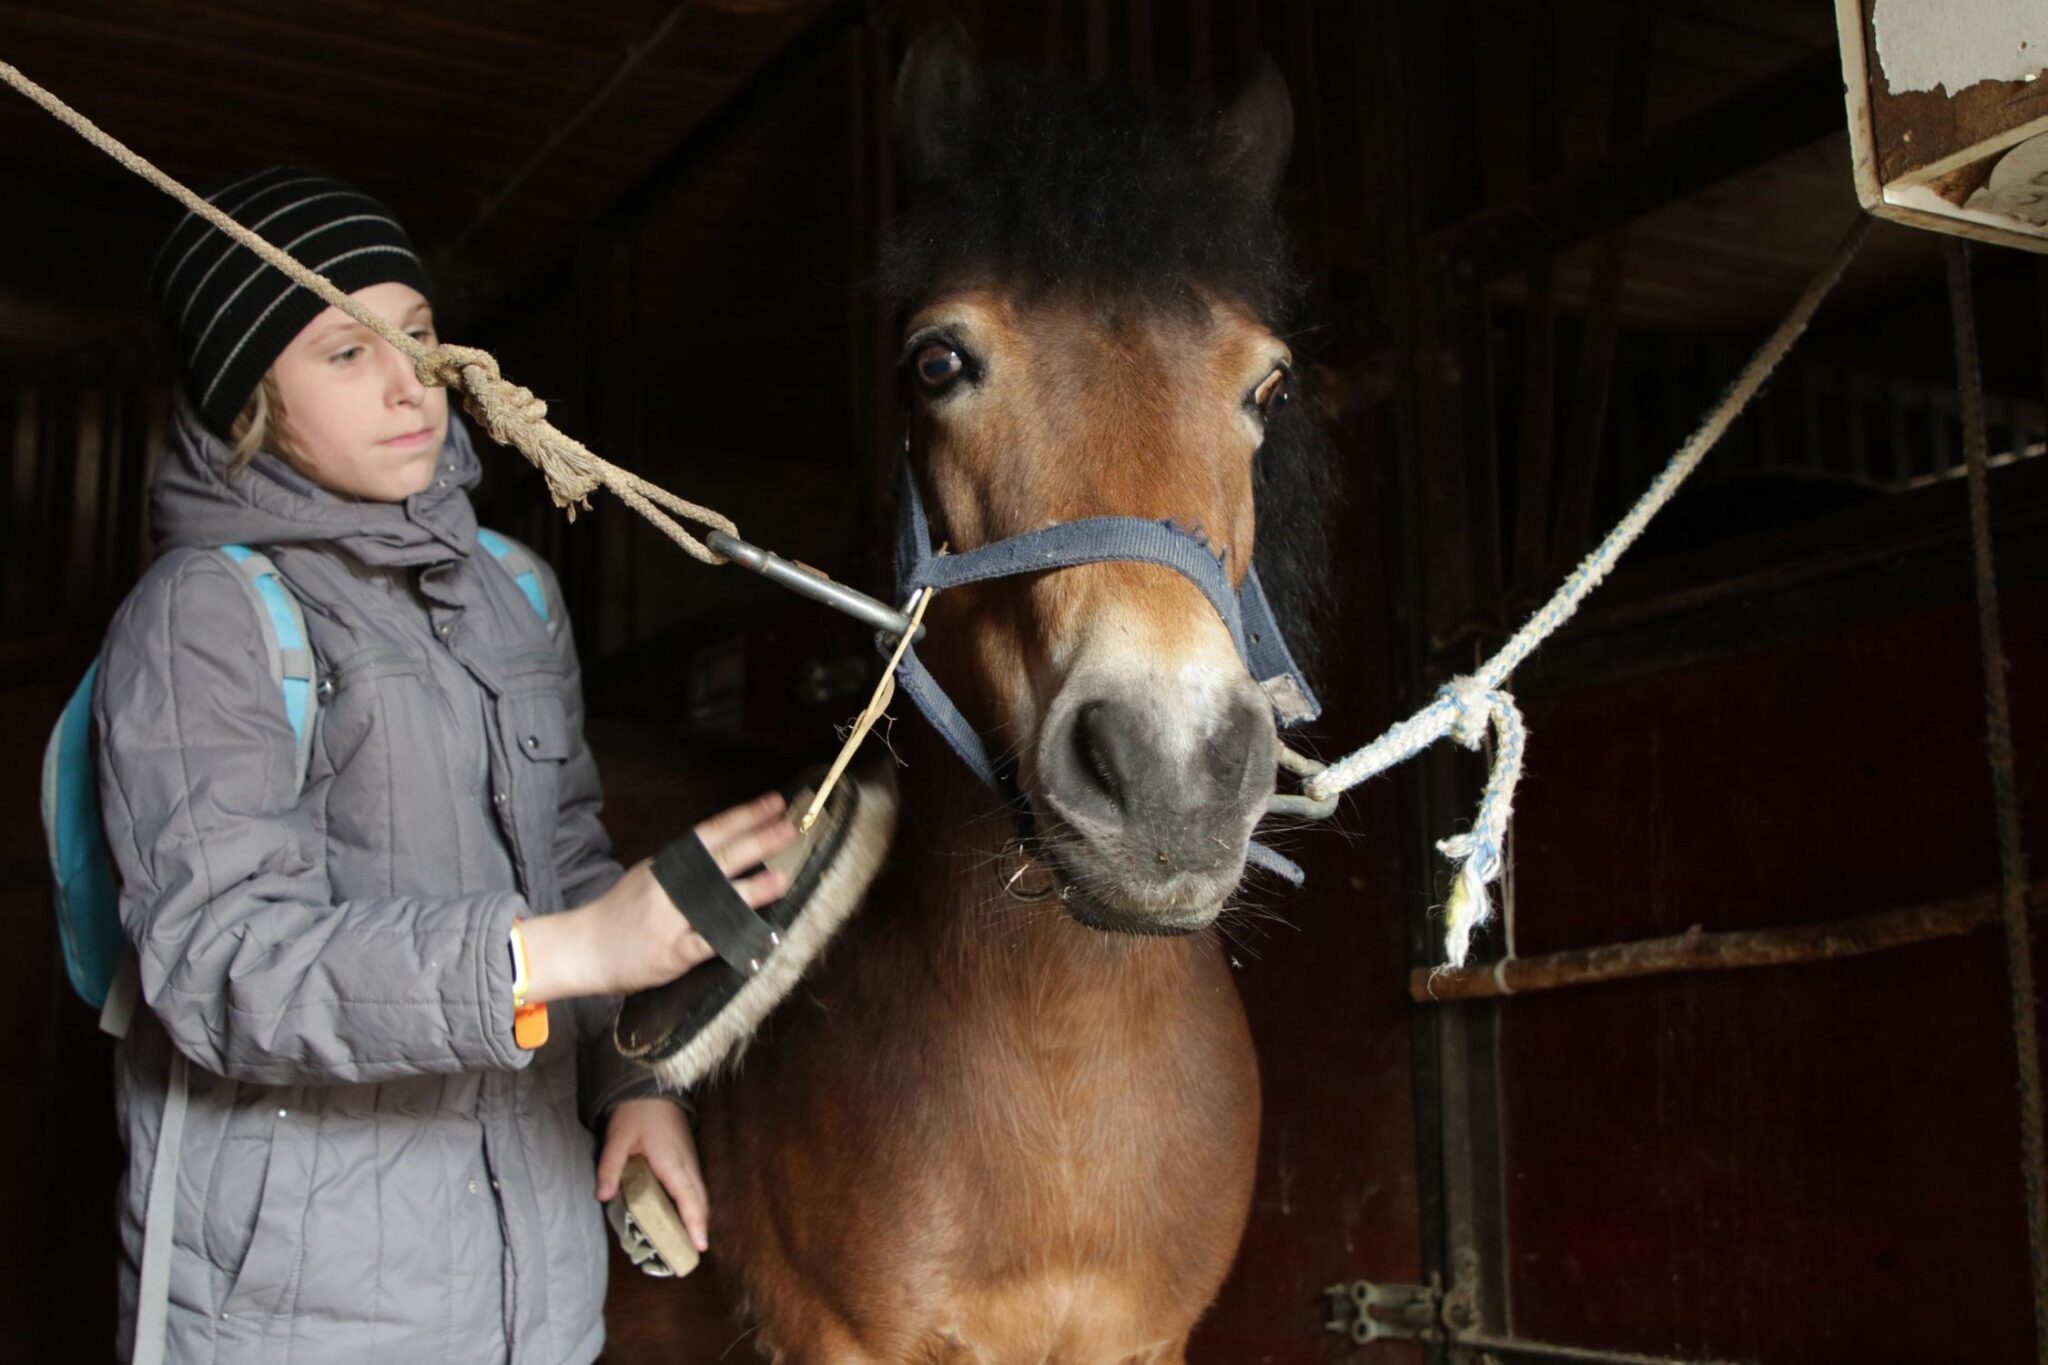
(1394, 175)
(2005, 787)
(1697, 951)
(808, 582)
(1514, 1348)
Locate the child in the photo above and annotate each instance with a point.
(372, 1166)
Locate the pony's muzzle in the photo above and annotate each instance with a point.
(1158, 804)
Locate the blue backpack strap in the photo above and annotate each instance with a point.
(286, 644)
(518, 561)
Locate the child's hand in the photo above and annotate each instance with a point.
(633, 936)
(655, 1129)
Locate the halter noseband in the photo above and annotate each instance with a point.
(1254, 631)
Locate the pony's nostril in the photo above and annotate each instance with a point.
(1094, 750)
(1231, 747)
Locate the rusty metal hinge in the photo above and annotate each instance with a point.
(1368, 1311)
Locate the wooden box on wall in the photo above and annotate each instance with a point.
(1948, 119)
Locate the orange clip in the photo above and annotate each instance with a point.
(530, 1025)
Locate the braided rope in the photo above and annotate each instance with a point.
(1470, 705)
(512, 414)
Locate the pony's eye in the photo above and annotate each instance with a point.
(938, 366)
(1274, 392)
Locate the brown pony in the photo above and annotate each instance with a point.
(993, 1127)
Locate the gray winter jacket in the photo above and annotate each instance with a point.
(371, 1169)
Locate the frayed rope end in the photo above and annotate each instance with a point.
(1469, 907)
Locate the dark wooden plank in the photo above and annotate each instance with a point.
(1201, 26)
(1894, 555)
(1144, 44)
(1676, 1142)
(1055, 12)
(1538, 428)
(1777, 115)
(1095, 38)
(688, 155)
(1585, 436)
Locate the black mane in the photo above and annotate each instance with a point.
(1054, 184)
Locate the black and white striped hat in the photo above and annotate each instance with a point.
(230, 315)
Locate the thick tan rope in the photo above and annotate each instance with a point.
(510, 412)
(2012, 850)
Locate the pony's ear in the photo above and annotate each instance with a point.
(938, 94)
(1258, 132)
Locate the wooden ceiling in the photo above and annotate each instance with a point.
(432, 107)
(436, 107)
(1732, 256)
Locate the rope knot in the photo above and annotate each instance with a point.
(1473, 707)
(514, 416)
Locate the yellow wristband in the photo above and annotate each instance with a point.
(520, 978)
(529, 1022)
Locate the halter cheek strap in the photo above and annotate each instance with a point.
(1244, 610)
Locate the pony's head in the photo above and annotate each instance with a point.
(1091, 288)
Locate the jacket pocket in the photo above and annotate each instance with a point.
(266, 1278)
(537, 725)
(370, 691)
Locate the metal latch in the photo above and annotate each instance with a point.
(1365, 1311)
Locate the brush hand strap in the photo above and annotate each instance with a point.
(704, 895)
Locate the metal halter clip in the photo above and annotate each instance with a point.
(1306, 807)
(807, 581)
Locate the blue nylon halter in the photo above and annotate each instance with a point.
(1245, 612)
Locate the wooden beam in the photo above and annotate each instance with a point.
(1698, 951)
(1779, 114)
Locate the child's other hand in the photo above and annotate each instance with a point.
(655, 1129)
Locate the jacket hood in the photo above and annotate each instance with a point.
(194, 500)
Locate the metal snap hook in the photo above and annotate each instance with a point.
(1293, 803)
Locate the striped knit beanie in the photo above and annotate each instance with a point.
(230, 315)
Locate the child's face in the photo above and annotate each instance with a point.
(359, 420)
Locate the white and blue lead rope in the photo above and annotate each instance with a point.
(1470, 705)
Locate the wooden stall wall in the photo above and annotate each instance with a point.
(1772, 716)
